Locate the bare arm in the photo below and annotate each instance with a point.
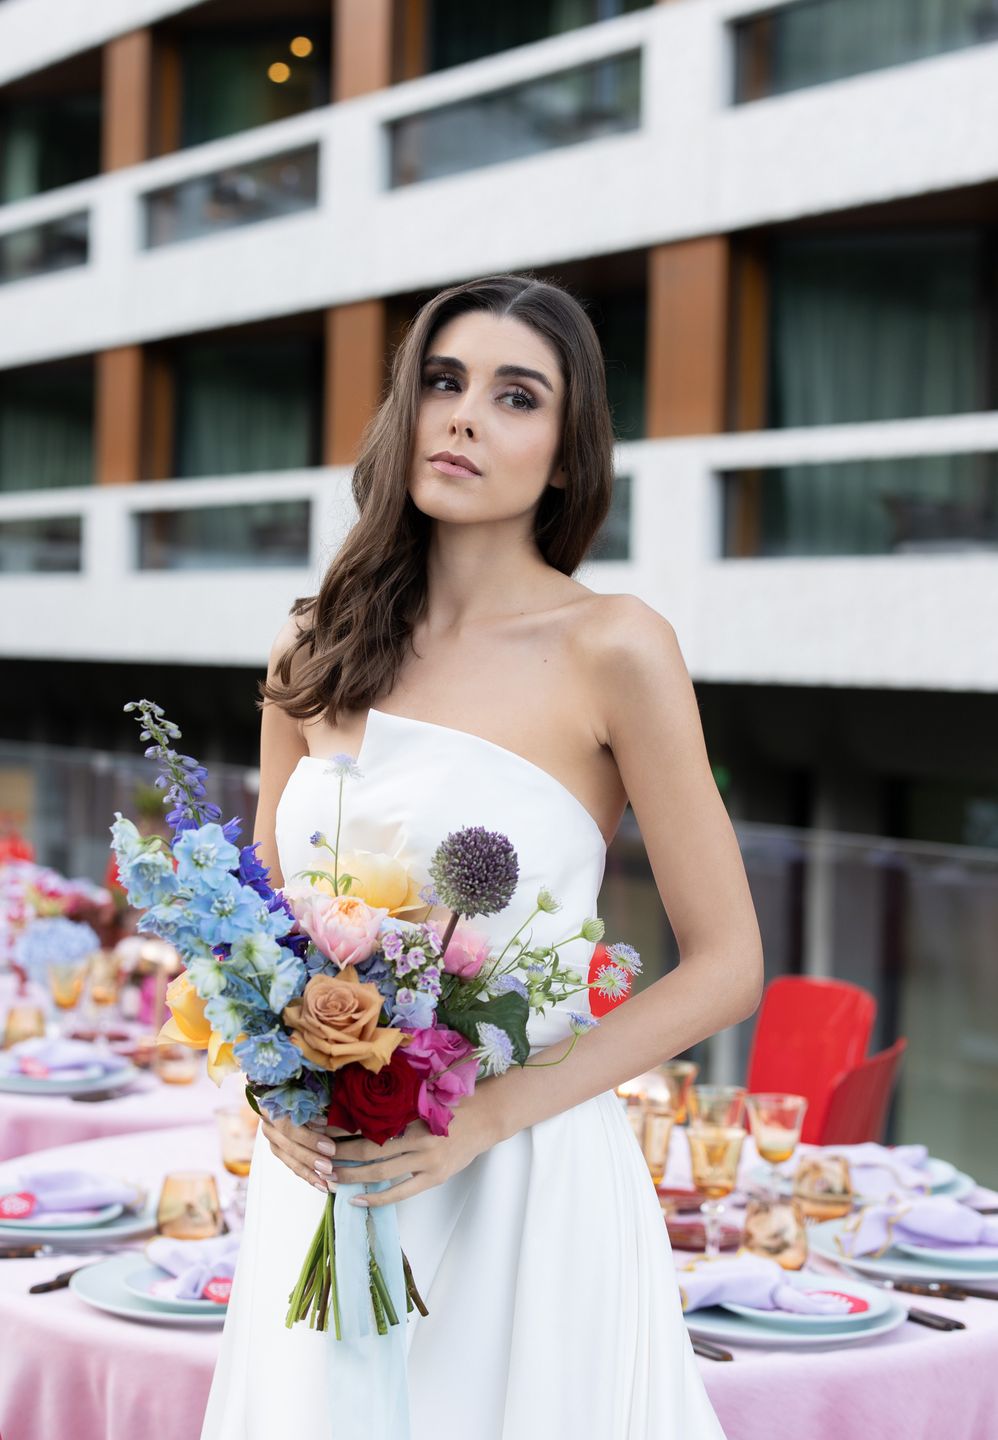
(281, 747)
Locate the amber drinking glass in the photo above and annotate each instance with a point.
(237, 1126)
(176, 1064)
(775, 1121)
(716, 1134)
(679, 1076)
(188, 1206)
(23, 1022)
(776, 1228)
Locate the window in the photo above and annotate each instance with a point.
(241, 194)
(225, 537)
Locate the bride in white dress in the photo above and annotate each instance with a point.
(450, 651)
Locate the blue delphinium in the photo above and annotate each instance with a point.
(148, 877)
(301, 1099)
(268, 1058)
(204, 856)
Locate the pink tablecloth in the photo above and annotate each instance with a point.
(69, 1370)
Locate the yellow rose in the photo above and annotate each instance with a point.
(382, 881)
(187, 1026)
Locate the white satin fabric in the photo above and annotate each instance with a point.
(554, 1311)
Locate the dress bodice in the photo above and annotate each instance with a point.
(420, 781)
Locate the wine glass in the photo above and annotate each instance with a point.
(237, 1125)
(715, 1133)
(775, 1121)
(188, 1206)
(105, 980)
(679, 1076)
(66, 979)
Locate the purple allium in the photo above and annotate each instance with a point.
(475, 871)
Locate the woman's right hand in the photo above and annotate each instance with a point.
(308, 1152)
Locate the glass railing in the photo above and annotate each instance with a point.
(613, 540)
(224, 537)
(47, 545)
(924, 504)
(40, 249)
(814, 41)
(240, 194)
(531, 118)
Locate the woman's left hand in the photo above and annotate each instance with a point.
(424, 1158)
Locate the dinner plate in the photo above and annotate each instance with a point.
(66, 1219)
(971, 1255)
(717, 1324)
(95, 1078)
(102, 1285)
(127, 1226)
(144, 1280)
(894, 1263)
(940, 1175)
(870, 1304)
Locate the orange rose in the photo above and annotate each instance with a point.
(335, 1023)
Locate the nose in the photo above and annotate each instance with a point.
(462, 420)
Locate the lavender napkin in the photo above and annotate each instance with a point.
(193, 1263)
(750, 1280)
(69, 1059)
(878, 1171)
(67, 1193)
(936, 1220)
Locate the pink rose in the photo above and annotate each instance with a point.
(430, 1052)
(467, 949)
(344, 928)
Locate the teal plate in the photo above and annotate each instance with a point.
(875, 1302)
(894, 1263)
(718, 1324)
(128, 1226)
(102, 1285)
(144, 1277)
(96, 1080)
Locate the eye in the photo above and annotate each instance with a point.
(523, 395)
(522, 398)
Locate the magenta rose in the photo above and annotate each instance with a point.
(467, 949)
(429, 1053)
(343, 927)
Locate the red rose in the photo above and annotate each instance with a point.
(377, 1104)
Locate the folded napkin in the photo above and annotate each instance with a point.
(202, 1269)
(751, 1280)
(878, 1170)
(934, 1220)
(67, 1059)
(70, 1193)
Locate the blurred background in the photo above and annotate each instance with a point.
(217, 218)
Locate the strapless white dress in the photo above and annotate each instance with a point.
(554, 1311)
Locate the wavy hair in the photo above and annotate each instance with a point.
(355, 633)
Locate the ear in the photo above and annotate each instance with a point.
(559, 479)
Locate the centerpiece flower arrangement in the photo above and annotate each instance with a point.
(332, 999)
(46, 918)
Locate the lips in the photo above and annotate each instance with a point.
(450, 464)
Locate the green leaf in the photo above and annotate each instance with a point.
(251, 1100)
(510, 1012)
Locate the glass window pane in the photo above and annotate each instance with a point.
(225, 537)
(232, 80)
(248, 406)
(877, 327)
(457, 32)
(527, 119)
(48, 544)
(47, 143)
(40, 249)
(46, 427)
(241, 194)
(926, 504)
(815, 41)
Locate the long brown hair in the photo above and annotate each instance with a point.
(355, 633)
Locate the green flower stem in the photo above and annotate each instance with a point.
(509, 942)
(448, 932)
(330, 1231)
(336, 852)
(410, 1286)
(383, 1295)
(294, 1308)
(540, 1064)
(379, 1312)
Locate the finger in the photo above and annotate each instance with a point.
(298, 1166)
(301, 1158)
(393, 1194)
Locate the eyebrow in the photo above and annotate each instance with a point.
(457, 364)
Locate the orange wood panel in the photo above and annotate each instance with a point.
(363, 33)
(410, 39)
(166, 96)
(118, 438)
(355, 376)
(127, 81)
(749, 335)
(688, 284)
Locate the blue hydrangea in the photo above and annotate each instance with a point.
(268, 1058)
(413, 1009)
(56, 940)
(204, 857)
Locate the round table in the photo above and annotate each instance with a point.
(72, 1370)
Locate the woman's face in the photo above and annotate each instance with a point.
(507, 425)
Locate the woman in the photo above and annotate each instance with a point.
(451, 651)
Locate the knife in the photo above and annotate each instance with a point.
(708, 1350)
(59, 1282)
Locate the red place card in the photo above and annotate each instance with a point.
(217, 1289)
(18, 1205)
(856, 1304)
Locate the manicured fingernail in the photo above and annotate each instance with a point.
(326, 1146)
(322, 1167)
(319, 1186)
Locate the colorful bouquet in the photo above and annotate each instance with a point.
(336, 1006)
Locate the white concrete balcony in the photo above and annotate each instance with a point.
(695, 165)
(918, 620)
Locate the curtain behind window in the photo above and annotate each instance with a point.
(46, 428)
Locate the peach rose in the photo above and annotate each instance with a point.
(335, 1023)
(345, 928)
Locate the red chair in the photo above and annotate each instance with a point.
(601, 1005)
(807, 1034)
(858, 1104)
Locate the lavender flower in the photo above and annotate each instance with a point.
(581, 1023)
(343, 766)
(495, 1049)
(475, 871)
(503, 984)
(612, 981)
(625, 956)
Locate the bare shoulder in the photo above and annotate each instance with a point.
(630, 656)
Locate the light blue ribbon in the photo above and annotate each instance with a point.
(368, 1384)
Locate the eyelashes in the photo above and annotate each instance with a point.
(527, 401)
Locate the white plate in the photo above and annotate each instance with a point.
(95, 1079)
(143, 1281)
(716, 1324)
(102, 1285)
(128, 1226)
(971, 1255)
(66, 1219)
(939, 1175)
(821, 1239)
(877, 1303)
